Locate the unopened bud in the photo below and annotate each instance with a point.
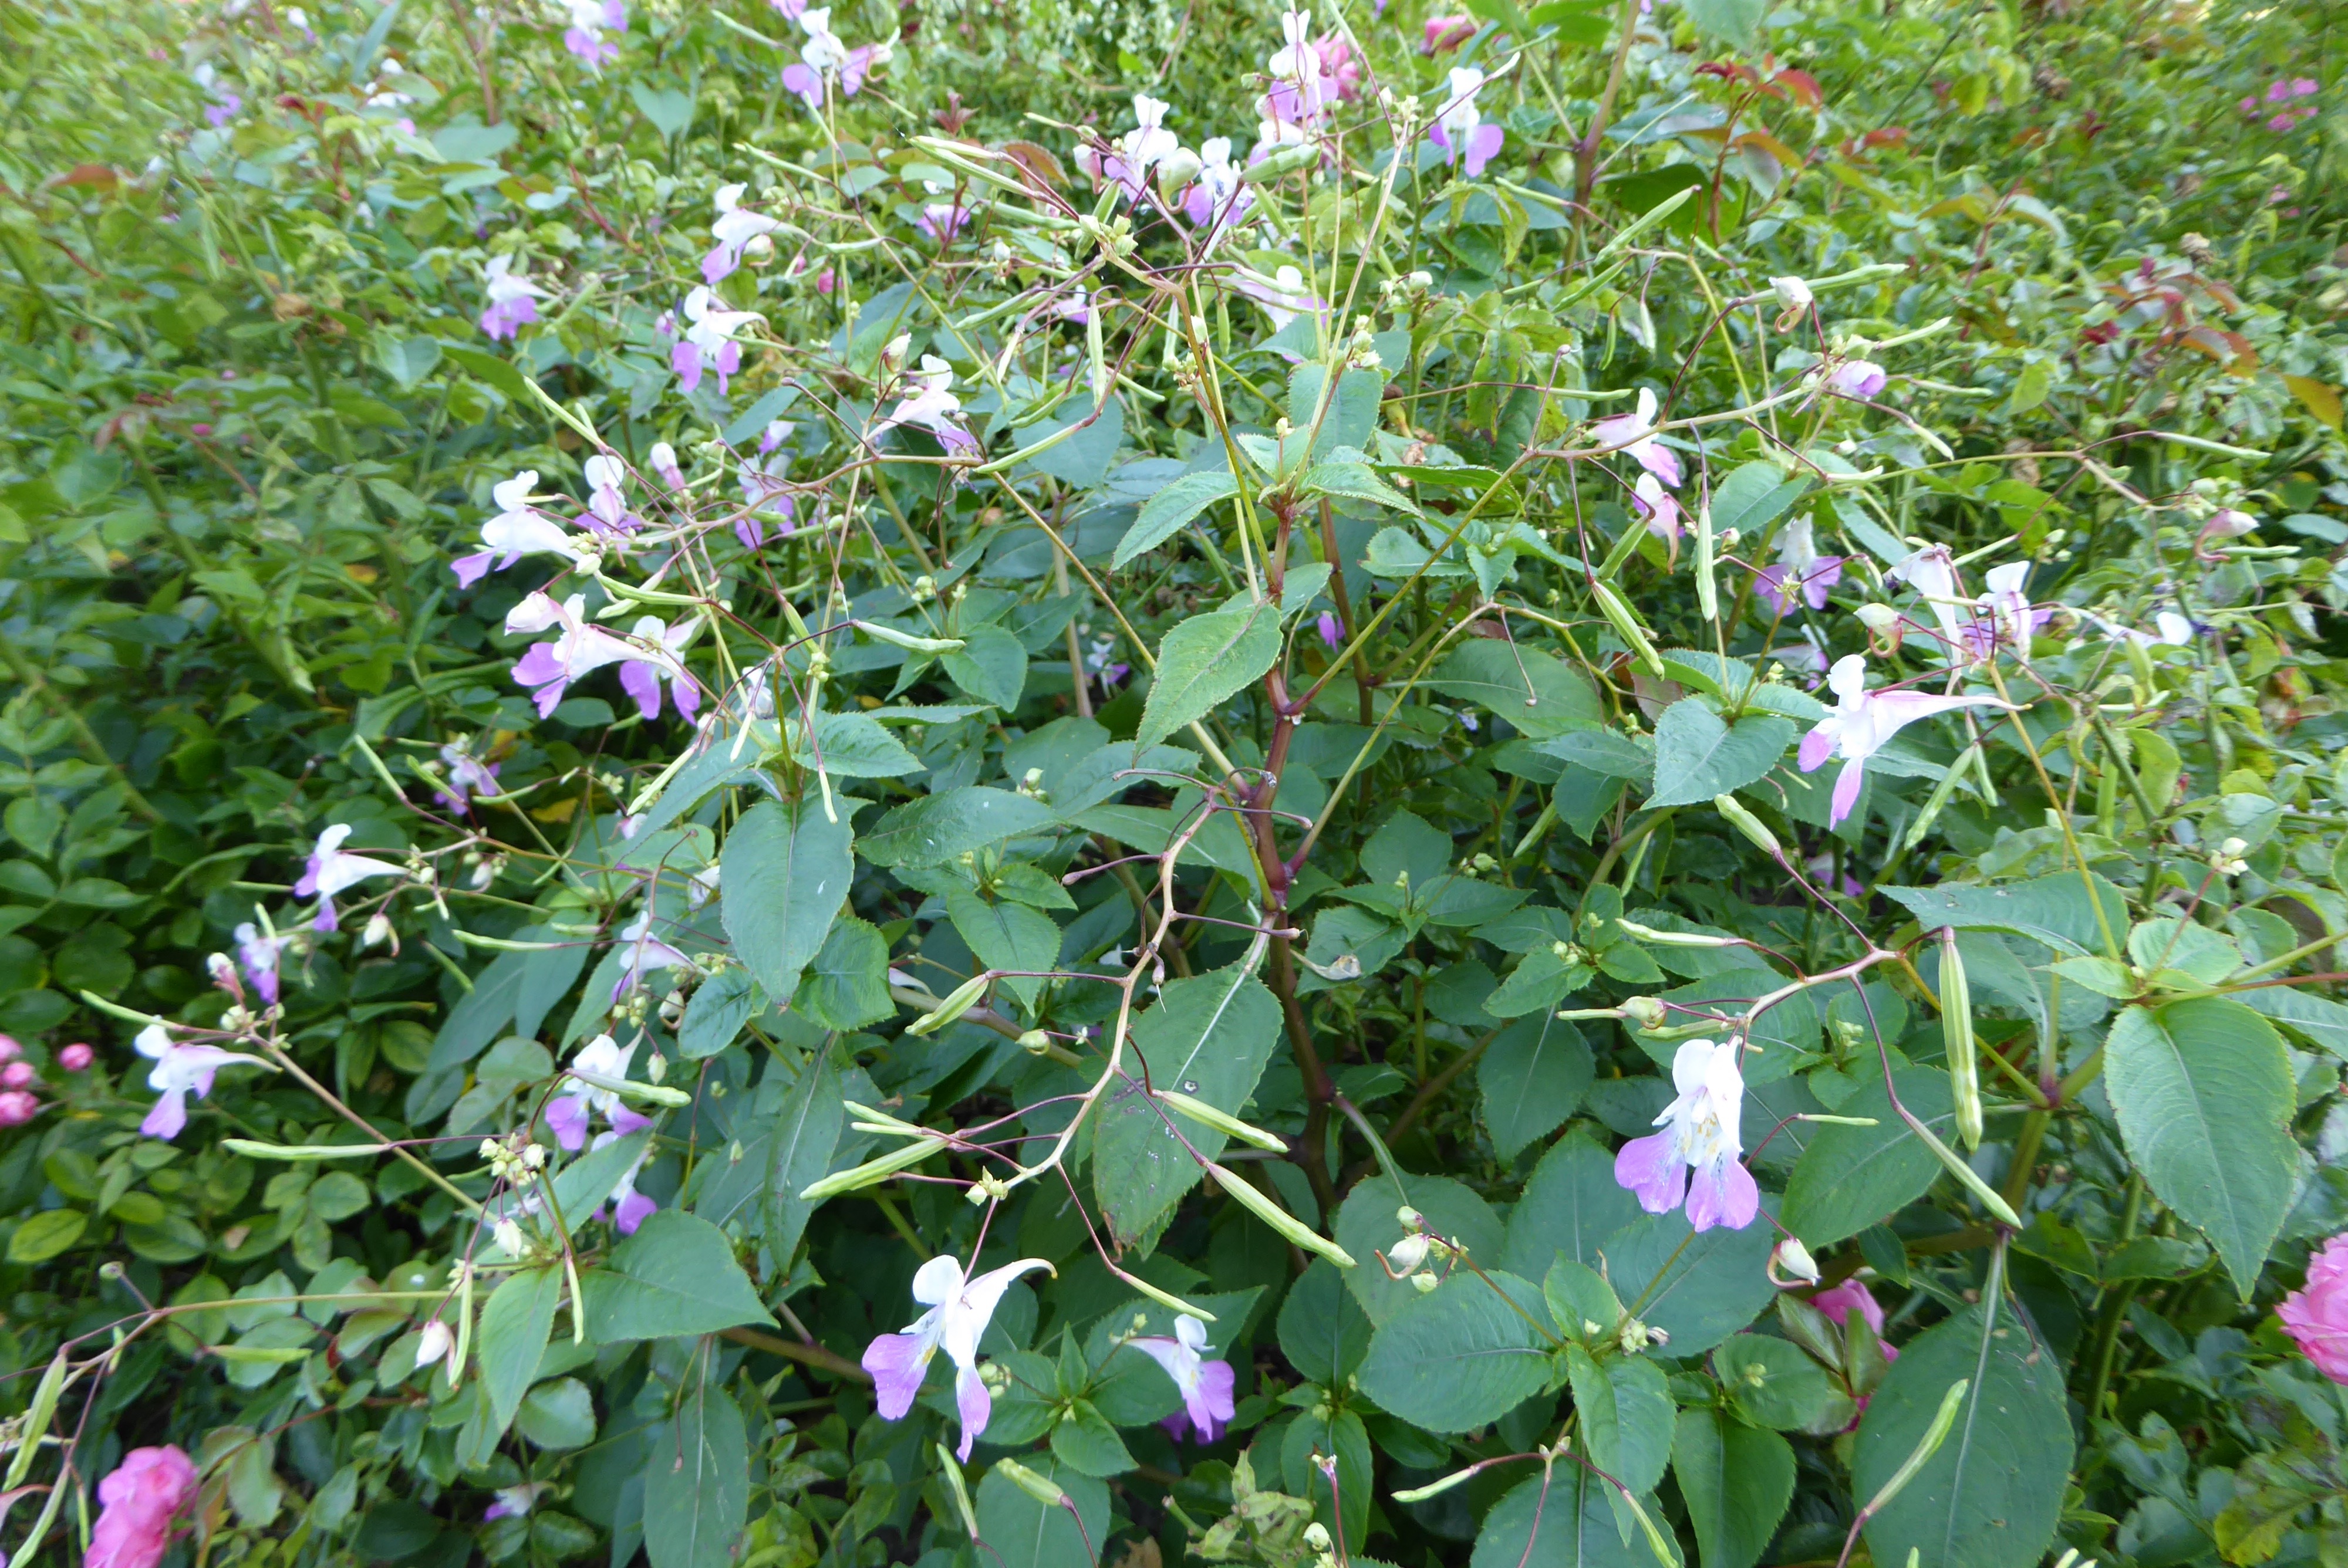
(1790, 1263)
(1316, 1536)
(1423, 1283)
(1878, 619)
(1408, 1254)
(377, 930)
(1035, 1042)
(1647, 1012)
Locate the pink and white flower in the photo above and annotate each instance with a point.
(1216, 196)
(518, 530)
(584, 36)
(1839, 1302)
(661, 460)
(1933, 573)
(646, 953)
(467, 776)
(513, 299)
(825, 57)
(1701, 1133)
(709, 340)
(1206, 1387)
(1460, 128)
(2006, 615)
(515, 1501)
(139, 1500)
(959, 1312)
(607, 515)
(574, 1104)
(1801, 572)
(930, 403)
(578, 648)
(735, 227)
(1634, 435)
(941, 221)
(1659, 506)
(1445, 33)
(180, 1069)
(257, 953)
(331, 869)
(661, 657)
(1862, 723)
(1859, 379)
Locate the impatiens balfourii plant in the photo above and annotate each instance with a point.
(716, 720)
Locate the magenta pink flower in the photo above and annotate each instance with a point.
(76, 1057)
(1859, 378)
(17, 1075)
(1333, 631)
(1447, 33)
(1852, 1295)
(2316, 1315)
(1340, 65)
(139, 1500)
(9, 1049)
(17, 1106)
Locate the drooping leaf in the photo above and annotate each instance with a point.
(806, 1132)
(2203, 1091)
(1699, 755)
(1453, 1360)
(1626, 1416)
(698, 1483)
(1736, 1480)
(935, 829)
(1990, 1497)
(1203, 661)
(1850, 1177)
(786, 874)
(1571, 1205)
(1165, 513)
(1560, 1519)
(1208, 1037)
(675, 1276)
(511, 1336)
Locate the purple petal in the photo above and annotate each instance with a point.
(1723, 1194)
(1214, 1403)
(470, 569)
(633, 1210)
(326, 920)
(1846, 790)
(1650, 1169)
(170, 1115)
(643, 683)
(538, 666)
(974, 1404)
(1658, 460)
(1483, 146)
(568, 1118)
(898, 1362)
(1817, 747)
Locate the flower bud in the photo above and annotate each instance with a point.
(893, 355)
(1176, 170)
(1423, 1283)
(377, 932)
(1647, 1012)
(1794, 295)
(1316, 1536)
(17, 1107)
(1035, 1042)
(1790, 1263)
(1409, 1218)
(1408, 1254)
(76, 1057)
(1878, 619)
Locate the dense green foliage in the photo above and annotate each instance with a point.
(1230, 783)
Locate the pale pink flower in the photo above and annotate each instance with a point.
(1446, 33)
(1702, 1133)
(180, 1069)
(709, 341)
(658, 656)
(584, 36)
(1460, 130)
(513, 299)
(331, 869)
(518, 530)
(1634, 435)
(574, 1103)
(1333, 631)
(1858, 378)
(257, 953)
(735, 227)
(959, 1312)
(630, 1208)
(1801, 572)
(1658, 507)
(930, 403)
(548, 668)
(1206, 1387)
(1862, 723)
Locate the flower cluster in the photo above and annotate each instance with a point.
(824, 58)
(2283, 96)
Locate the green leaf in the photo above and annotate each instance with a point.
(1006, 936)
(806, 1132)
(846, 985)
(1736, 23)
(1850, 1177)
(1209, 1036)
(1755, 494)
(2204, 1096)
(1608, 753)
(1560, 1519)
(1460, 1357)
(696, 1483)
(1736, 1483)
(1323, 1330)
(2316, 1020)
(855, 745)
(1773, 1382)
(721, 1005)
(1202, 661)
(1084, 1438)
(1698, 755)
(991, 667)
(1083, 459)
(1571, 1205)
(512, 1336)
(1485, 671)
(675, 1276)
(1367, 1223)
(1992, 1494)
(1626, 1416)
(1531, 1077)
(46, 1234)
(1165, 513)
(483, 1013)
(1027, 1534)
(936, 828)
(559, 1414)
(786, 874)
(670, 111)
(1698, 1288)
(2053, 909)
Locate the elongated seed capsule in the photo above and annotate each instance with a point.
(1626, 626)
(1278, 1218)
(1938, 799)
(960, 1001)
(872, 1171)
(1038, 1487)
(907, 640)
(1750, 825)
(960, 1487)
(1223, 1121)
(1957, 1034)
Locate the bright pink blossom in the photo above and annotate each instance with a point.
(17, 1106)
(76, 1057)
(2316, 1315)
(139, 1500)
(1447, 33)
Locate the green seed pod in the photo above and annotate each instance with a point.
(1750, 825)
(1957, 1033)
(1626, 626)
